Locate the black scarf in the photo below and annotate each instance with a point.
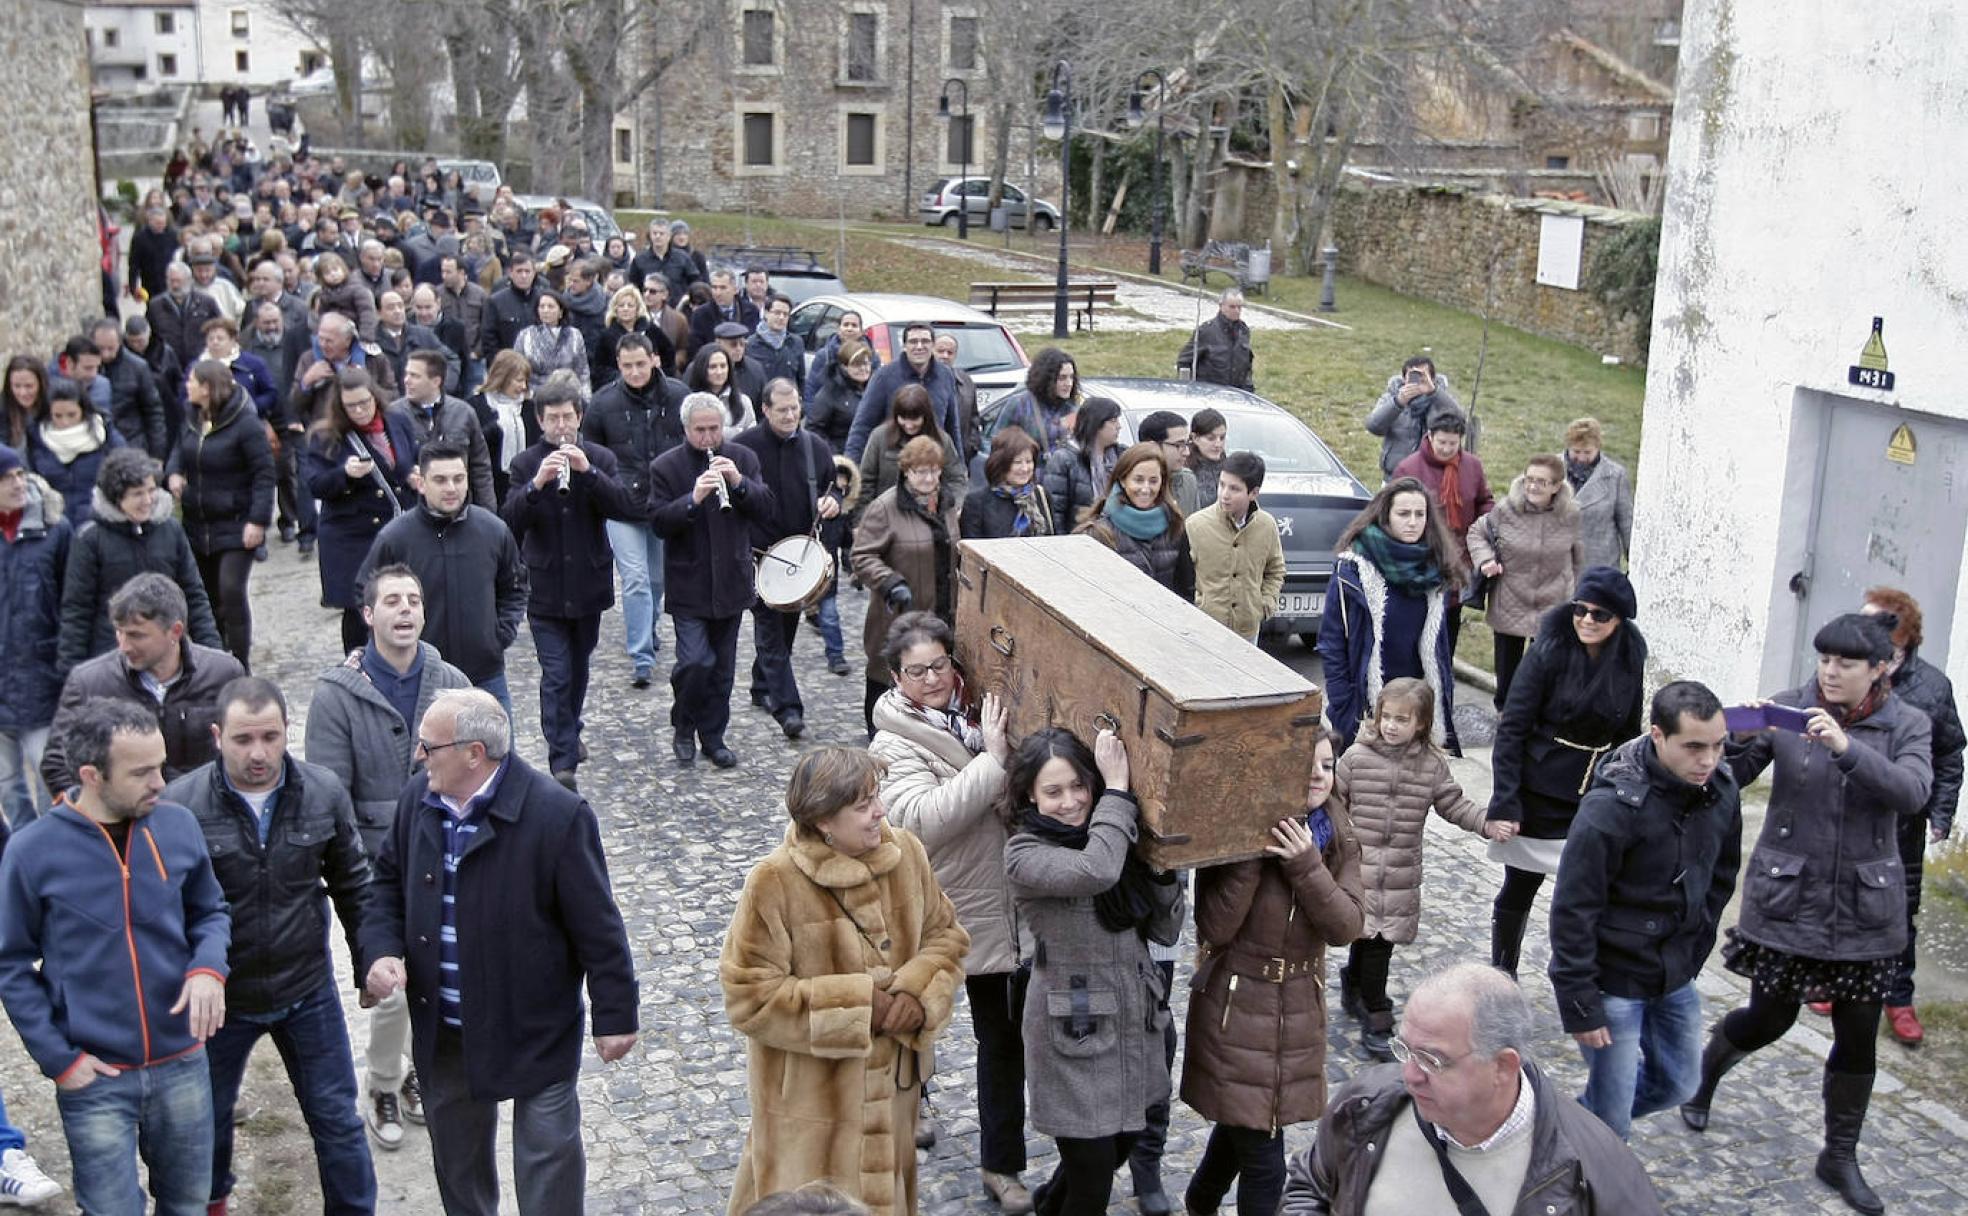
(1130, 902)
(939, 533)
(1595, 696)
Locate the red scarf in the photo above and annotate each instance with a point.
(1869, 705)
(10, 522)
(1451, 494)
(378, 438)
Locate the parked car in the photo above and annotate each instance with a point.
(1306, 487)
(795, 273)
(939, 205)
(985, 348)
(481, 178)
(600, 220)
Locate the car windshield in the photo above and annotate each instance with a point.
(980, 348)
(800, 288)
(1285, 444)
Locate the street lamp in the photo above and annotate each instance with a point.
(1134, 120)
(963, 176)
(1058, 124)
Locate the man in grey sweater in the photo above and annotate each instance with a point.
(362, 727)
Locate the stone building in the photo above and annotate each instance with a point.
(50, 256)
(815, 108)
(1788, 461)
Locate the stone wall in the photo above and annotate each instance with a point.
(1435, 244)
(50, 276)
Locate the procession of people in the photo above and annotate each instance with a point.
(947, 878)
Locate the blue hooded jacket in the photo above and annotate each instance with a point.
(115, 941)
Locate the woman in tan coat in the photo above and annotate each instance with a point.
(839, 969)
(946, 756)
(1530, 550)
(1256, 1057)
(904, 554)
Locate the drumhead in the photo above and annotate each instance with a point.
(794, 573)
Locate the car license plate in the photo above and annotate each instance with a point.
(1301, 603)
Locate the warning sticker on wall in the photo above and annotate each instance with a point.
(1870, 371)
(1901, 449)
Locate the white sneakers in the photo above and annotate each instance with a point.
(21, 1181)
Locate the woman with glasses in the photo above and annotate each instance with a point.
(1256, 1057)
(904, 554)
(946, 753)
(1529, 549)
(1578, 694)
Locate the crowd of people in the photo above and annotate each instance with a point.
(471, 422)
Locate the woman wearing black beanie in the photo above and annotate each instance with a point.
(1824, 895)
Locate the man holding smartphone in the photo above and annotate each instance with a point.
(1401, 414)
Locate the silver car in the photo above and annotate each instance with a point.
(939, 204)
(600, 220)
(985, 348)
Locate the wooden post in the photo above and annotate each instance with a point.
(1120, 196)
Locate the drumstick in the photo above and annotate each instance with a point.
(775, 557)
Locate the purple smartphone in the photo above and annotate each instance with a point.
(1742, 719)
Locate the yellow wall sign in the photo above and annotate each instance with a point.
(1901, 449)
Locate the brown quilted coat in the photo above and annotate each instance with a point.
(1542, 557)
(1256, 1041)
(1388, 791)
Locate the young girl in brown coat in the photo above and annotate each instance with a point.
(1388, 781)
(1256, 1058)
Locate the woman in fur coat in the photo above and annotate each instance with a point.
(840, 969)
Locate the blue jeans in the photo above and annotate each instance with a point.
(164, 1113)
(21, 792)
(1654, 1062)
(10, 1136)
(828, 619)
(496, 685)
(639, 560)
(564, 645)
(314, 1045)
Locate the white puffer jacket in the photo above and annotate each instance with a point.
(948, 798)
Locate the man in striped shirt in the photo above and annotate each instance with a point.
(491, 907)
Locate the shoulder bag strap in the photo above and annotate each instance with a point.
(1467, 1204)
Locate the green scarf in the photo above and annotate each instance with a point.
(1408, 569)
(1141, 525)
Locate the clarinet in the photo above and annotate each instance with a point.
(564, 481)
(723, 491)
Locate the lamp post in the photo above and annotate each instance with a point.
(1134, 120)
(1058, 124)
(963, 175)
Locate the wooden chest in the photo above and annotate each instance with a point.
(1219, 734)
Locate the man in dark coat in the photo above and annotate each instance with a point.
(335, 347)
(398, 335)
(267, 335)
(774, 353)
(564, 492)
(636, 418)
(154, 666)
(466, 556)
(442, 418)
(1219, 352)
(798, 467)
(1649, 865)
(969, 437)
(152, 248)
(509, 309)
(34, 549)
(1387, 1143)
(281, 833)
(162, 360)
(495, 954)
(917, 365)
(725, 305)
(135, 405)
(177, 315)
(1926, 688)
(702, 495)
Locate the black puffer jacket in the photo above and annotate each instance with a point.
(134, 402)
(1649, 865)
(229, 478)
(472, 561)
(830, 409)
(1826, 881)
(111, 551)
(279, 953)
(638, 425)
(1927, 688)
(185, 716)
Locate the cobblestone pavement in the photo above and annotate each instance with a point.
(665, 1126)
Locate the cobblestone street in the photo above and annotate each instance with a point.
(665, 1126)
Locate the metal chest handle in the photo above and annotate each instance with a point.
(1006, 646)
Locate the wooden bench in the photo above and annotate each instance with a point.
(1083, 297)
(1231, 258)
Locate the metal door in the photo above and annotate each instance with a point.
(1890, 506)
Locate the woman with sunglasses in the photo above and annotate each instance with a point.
(1530, 550)
(1578, 695)
(946, 754)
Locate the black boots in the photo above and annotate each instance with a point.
(1507, 938)
(1717, 1058)
(1349, 995)
(1377, 1036)
(1846, 1096)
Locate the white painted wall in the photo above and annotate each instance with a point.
(1815, 181)
(202, 39)
(133, 28)
(272, 47)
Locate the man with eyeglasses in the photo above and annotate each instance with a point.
(1463, 1118)
(362, 727)
(917, 365)
(1169, 431)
